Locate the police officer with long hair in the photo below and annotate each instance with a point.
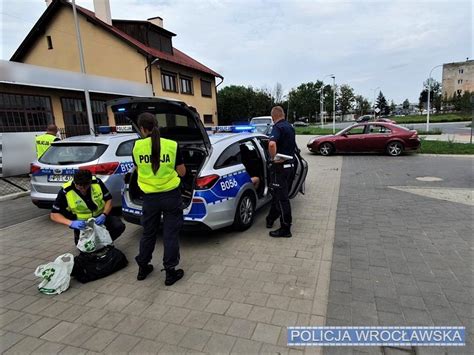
(159, 165)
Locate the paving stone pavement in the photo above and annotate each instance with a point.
(239, 292)
(402, 257)
(18, 210)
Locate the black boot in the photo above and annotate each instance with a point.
(173, 275)
(281, 233)
(143, 271)
(269, 222)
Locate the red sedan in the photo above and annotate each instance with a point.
(367, 137)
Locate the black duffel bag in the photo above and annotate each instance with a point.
(96, 265)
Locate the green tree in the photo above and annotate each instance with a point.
(239, 103)
(393, 107)
(435, 95)
(278, 94)
(304, 100)
(381, 103)
(463, 101)
(362, 105)
(406, 106)
(346, 99)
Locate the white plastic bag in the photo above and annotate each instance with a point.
(93, 237)
(56, 275)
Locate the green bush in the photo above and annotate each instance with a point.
(314, 130)
(447, 117)
(442, 147)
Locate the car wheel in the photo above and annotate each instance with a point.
(326, 149)
(245, 212)
(394, 149)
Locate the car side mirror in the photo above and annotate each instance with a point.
(344, 135)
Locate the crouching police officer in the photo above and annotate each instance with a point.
(282, 140)
(82, 198)
(159, 165)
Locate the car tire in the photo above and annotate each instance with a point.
(245, 212)
(395, 149)
(326, 149)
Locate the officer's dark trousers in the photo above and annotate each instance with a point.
(113, 224)
(281, 175)
(170, 204)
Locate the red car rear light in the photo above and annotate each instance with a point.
(34, 169)
(206, 182)
(101, 169)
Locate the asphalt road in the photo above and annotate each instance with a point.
(402, 249)
(445, 127)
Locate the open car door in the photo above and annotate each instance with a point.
(301, 170)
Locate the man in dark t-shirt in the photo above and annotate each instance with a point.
(282, 141)
(83, 198)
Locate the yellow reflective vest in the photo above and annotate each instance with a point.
(77, 205)
(43, 142)
(166, 178)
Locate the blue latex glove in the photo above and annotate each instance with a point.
(77, 225)
(100, 220)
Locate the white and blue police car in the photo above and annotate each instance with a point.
(108, 156)
(217, 189)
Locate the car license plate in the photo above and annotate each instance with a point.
(59, 178)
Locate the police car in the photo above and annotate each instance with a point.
(217, 189)
(108, 156)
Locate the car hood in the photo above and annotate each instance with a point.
(191, 131)
(320, 138)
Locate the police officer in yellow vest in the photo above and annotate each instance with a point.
(82, 198)
(44, 141)
(159, 165)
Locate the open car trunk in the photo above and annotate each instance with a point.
(193, 159)
(178, 122)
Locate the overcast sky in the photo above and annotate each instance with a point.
(365, 43)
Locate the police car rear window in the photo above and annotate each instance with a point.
(75, 153)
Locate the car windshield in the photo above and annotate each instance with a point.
(261, 121)
(72, 153)
(262, 129)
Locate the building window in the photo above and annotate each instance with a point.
(206, 88)
(24, 113)
(75, 116)
(459, 81)
(208, 119)
(461, 71)
(168, 82)
(50, 42)
(186, 85)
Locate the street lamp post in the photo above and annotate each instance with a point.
(373, 105)
(321, 105)
(429, 93)
(83, 68)
(321, 99)
(333, 104)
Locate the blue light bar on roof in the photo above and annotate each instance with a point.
(105, 129)
(246, 128)
(234, 129)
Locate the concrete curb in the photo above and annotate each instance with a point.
(448, 155)
(14, 196)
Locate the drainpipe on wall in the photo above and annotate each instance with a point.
(217, 116)
(149, 68)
